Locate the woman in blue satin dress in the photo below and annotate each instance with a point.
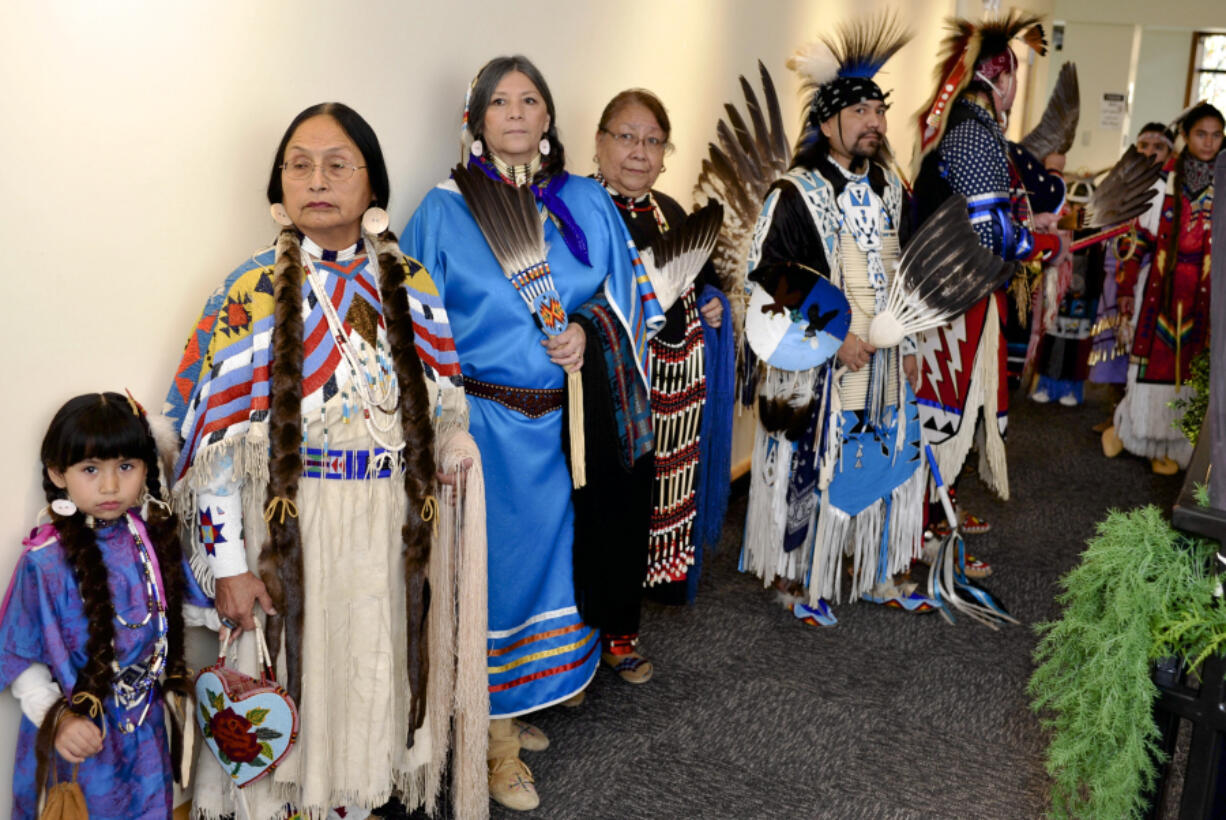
(540, 652)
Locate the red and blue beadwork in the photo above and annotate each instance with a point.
(536, 287)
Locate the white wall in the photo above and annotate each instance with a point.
(139, 133)
(1162, 75)
(1136, 47)
(1103, 54)
(1201, 15)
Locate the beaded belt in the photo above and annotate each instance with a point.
(532, 403)
(348, 464)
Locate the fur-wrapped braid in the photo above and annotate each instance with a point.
(85, 557)
(281, 558)
(1167, 256)
(419, 465)
(163, 528)
(44, 742)
(280, 561)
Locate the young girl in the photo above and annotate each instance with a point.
(94, 617)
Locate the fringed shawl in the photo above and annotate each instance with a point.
(627, 395)
(715, 462)
(222, 384)
(715, 437)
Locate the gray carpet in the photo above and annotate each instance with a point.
(752, 714)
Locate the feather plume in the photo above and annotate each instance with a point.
(1036, 40)
(864, 45)
(1058, 127)
(942, 273)
(858, 49)
(750, 153)
(507, 216)
(1124, 193)
(676, 257)
(815, 62)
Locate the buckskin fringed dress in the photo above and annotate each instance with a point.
(540, 651)
(351, 503)
(43, 621)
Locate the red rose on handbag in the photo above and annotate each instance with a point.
(234, 736)
(249, 724)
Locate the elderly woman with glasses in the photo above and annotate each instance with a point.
(304, 401)
(542, 648)
(691, 384)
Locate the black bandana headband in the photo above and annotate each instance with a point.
(841, 92)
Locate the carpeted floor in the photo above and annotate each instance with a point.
(752, 714)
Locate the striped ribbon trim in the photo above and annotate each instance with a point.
(349, 465)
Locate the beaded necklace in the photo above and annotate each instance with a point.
(635, 206)
(379, 395)
(516, 174)
(136, 682)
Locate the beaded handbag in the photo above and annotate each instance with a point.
(249, 724)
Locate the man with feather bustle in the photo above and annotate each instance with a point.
(1012, 205)
(836, 454)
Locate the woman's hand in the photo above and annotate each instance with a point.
(77, 738)
(458, 479)
(910, 368)
(566, 349)
(236, 596)
(712, 312)
(855, 352)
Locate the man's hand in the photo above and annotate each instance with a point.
(77, 738)
(910, 368)
(712, 312)
(566, 349)
(855, 352)
(1046, 223)
(236, 595)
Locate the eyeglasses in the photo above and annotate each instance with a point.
(628, 141)
(335, 170)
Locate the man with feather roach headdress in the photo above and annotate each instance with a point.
(1012, 204)
(836, 455)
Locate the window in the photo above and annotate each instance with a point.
(1208, 76)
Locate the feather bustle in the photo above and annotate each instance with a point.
(739, 170)
(1057, 127)
(1125, 193)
